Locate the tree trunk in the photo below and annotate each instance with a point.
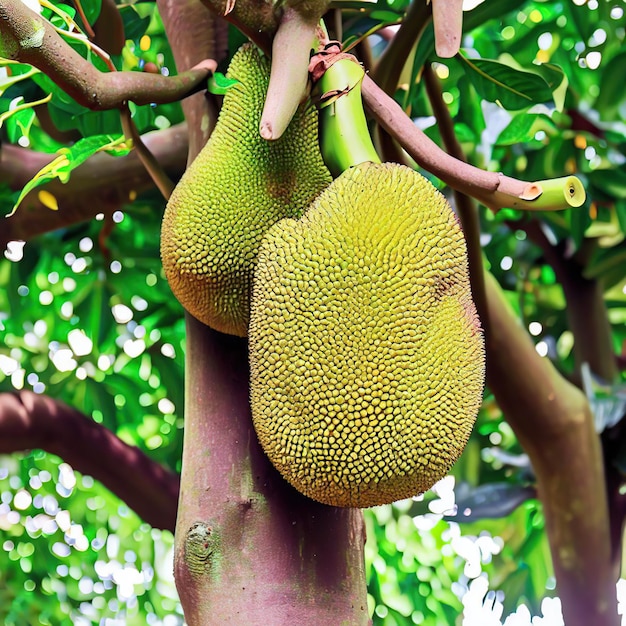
(249, 548)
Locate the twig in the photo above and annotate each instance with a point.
(467, 210)
(153, 167)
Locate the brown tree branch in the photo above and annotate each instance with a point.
(466, 208)
(195, 33)
(28, 38)
(109, 28)
(554, 424)
(29, 420)
(249, 548)
(100, 185)
(387, 72)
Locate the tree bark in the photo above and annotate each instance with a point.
(586, 310)
(29, 420)
(554, 424)
(249, 548)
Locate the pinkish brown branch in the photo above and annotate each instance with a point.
(493, 189)
(554, 424)
(29, 420)
(195, 33)
(28, 38)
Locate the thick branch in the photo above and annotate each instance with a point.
(554, 424)
(100, 185)
(249, 548)
(28, 38)
(195, 33)
(29, 420)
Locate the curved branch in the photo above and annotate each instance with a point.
(28, 38)
(493, 189)
(100, 185)
(29, 420)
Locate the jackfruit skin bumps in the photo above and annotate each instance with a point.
(366, 353)
(236, 188)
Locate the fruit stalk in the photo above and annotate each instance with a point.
(345, 138)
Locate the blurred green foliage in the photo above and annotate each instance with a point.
(86, 317)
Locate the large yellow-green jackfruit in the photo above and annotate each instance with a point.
(237, 187)
(366, 353)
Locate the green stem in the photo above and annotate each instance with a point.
(345, 137)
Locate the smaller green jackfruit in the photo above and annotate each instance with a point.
(366, 354)
(237, 187)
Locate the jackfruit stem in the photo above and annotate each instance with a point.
(295, 38)
(345, 138)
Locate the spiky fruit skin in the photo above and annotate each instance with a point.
(236, 188)
(366, 353)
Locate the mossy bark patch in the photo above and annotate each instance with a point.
(202, 550)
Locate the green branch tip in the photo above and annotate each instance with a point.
(553, 195)
(345, 138)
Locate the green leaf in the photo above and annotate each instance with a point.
(492, 500)
(135, 26)
(512, 89)
(484, 12)
(605, 260)
(611, 182)
(17, 105)
(92, 9)
(18, 73)
(523, 128)
(68, 160)
(612, 93)
(218, 84)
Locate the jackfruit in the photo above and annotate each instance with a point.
(236, 188)
(366, 353)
